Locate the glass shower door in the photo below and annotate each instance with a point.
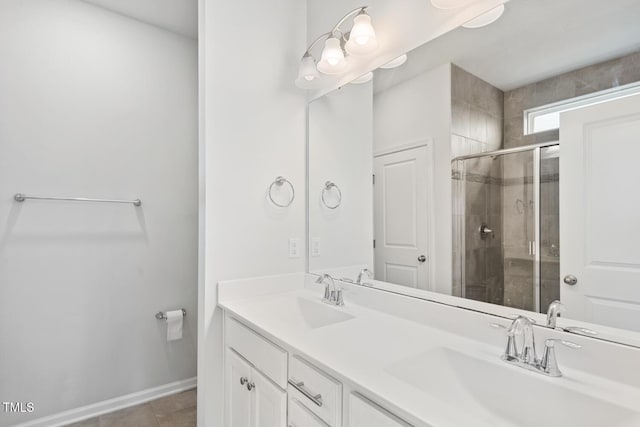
(495, 229)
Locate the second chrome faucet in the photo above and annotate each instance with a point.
(526, 356)
(332, 295)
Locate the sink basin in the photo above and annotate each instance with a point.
(500, 395)
(308, 313)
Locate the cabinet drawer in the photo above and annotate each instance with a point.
(316, 390)
(299, 416)
(364, 413)
(267, 357)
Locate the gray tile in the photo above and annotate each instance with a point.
(518, 292)
(136, 416)
(472, 234)
(494, 202)
(460, 83)
(460, 113)
(513, 128)
(475, 267)
(477, 125)
(518, 100)
(550, 270)
(555, 89)
(476, 293)
(475, 198)
(494, 133)
(458, 146)
(173, 403)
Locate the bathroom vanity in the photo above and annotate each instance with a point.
(385, 360)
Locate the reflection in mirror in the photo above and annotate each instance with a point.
(481, 167)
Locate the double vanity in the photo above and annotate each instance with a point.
(383, 360)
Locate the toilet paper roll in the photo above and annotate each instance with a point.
(174, 325)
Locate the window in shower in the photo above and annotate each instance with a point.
(547, 117)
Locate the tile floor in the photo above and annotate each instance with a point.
(178, 410)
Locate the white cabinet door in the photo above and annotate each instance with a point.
(238, 396)
(363, 413)
(599, 205)
(269, 403)
(401, 216)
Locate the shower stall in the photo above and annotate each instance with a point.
(506, 226)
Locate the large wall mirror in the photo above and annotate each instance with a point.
(497, 165)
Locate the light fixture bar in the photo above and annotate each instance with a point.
(315, 42)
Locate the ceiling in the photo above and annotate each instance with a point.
(178, 16)
(534, 40)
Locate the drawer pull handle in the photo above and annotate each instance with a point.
(299, 385)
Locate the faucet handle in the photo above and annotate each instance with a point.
(570, 344)
(510, 352)
(327, 292)
(549, 362)
(580, 331)
(339, 297)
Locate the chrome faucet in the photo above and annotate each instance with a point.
(332, 295)
(527, 357)
(363, 272)
(523, 326)
(553, 312)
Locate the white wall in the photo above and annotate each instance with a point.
(252, 130)
(97, 105)
(412, 111)
(341, 151)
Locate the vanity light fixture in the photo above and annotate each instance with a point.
(486, 18)
(363, 78)
(333, 60)
(338, 45)
(362, 38)
(395, 62)
(308, 76)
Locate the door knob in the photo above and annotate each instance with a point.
(422, 258)
(570, 279)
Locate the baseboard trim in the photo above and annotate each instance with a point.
(115, 404)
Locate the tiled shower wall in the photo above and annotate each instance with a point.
(519, 264)
(477, 112)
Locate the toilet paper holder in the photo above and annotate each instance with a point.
(161, 315)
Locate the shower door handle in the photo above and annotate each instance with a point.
(422, 258)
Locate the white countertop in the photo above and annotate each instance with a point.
(366, 351)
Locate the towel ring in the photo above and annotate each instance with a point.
(280, 181)
(328, 186)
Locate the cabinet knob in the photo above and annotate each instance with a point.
(250, 386)
(244, 380)
(422, 258)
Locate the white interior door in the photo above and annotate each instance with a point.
(401, 216)
(600, 213)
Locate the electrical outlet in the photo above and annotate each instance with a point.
(315, 246)
(294, 248)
